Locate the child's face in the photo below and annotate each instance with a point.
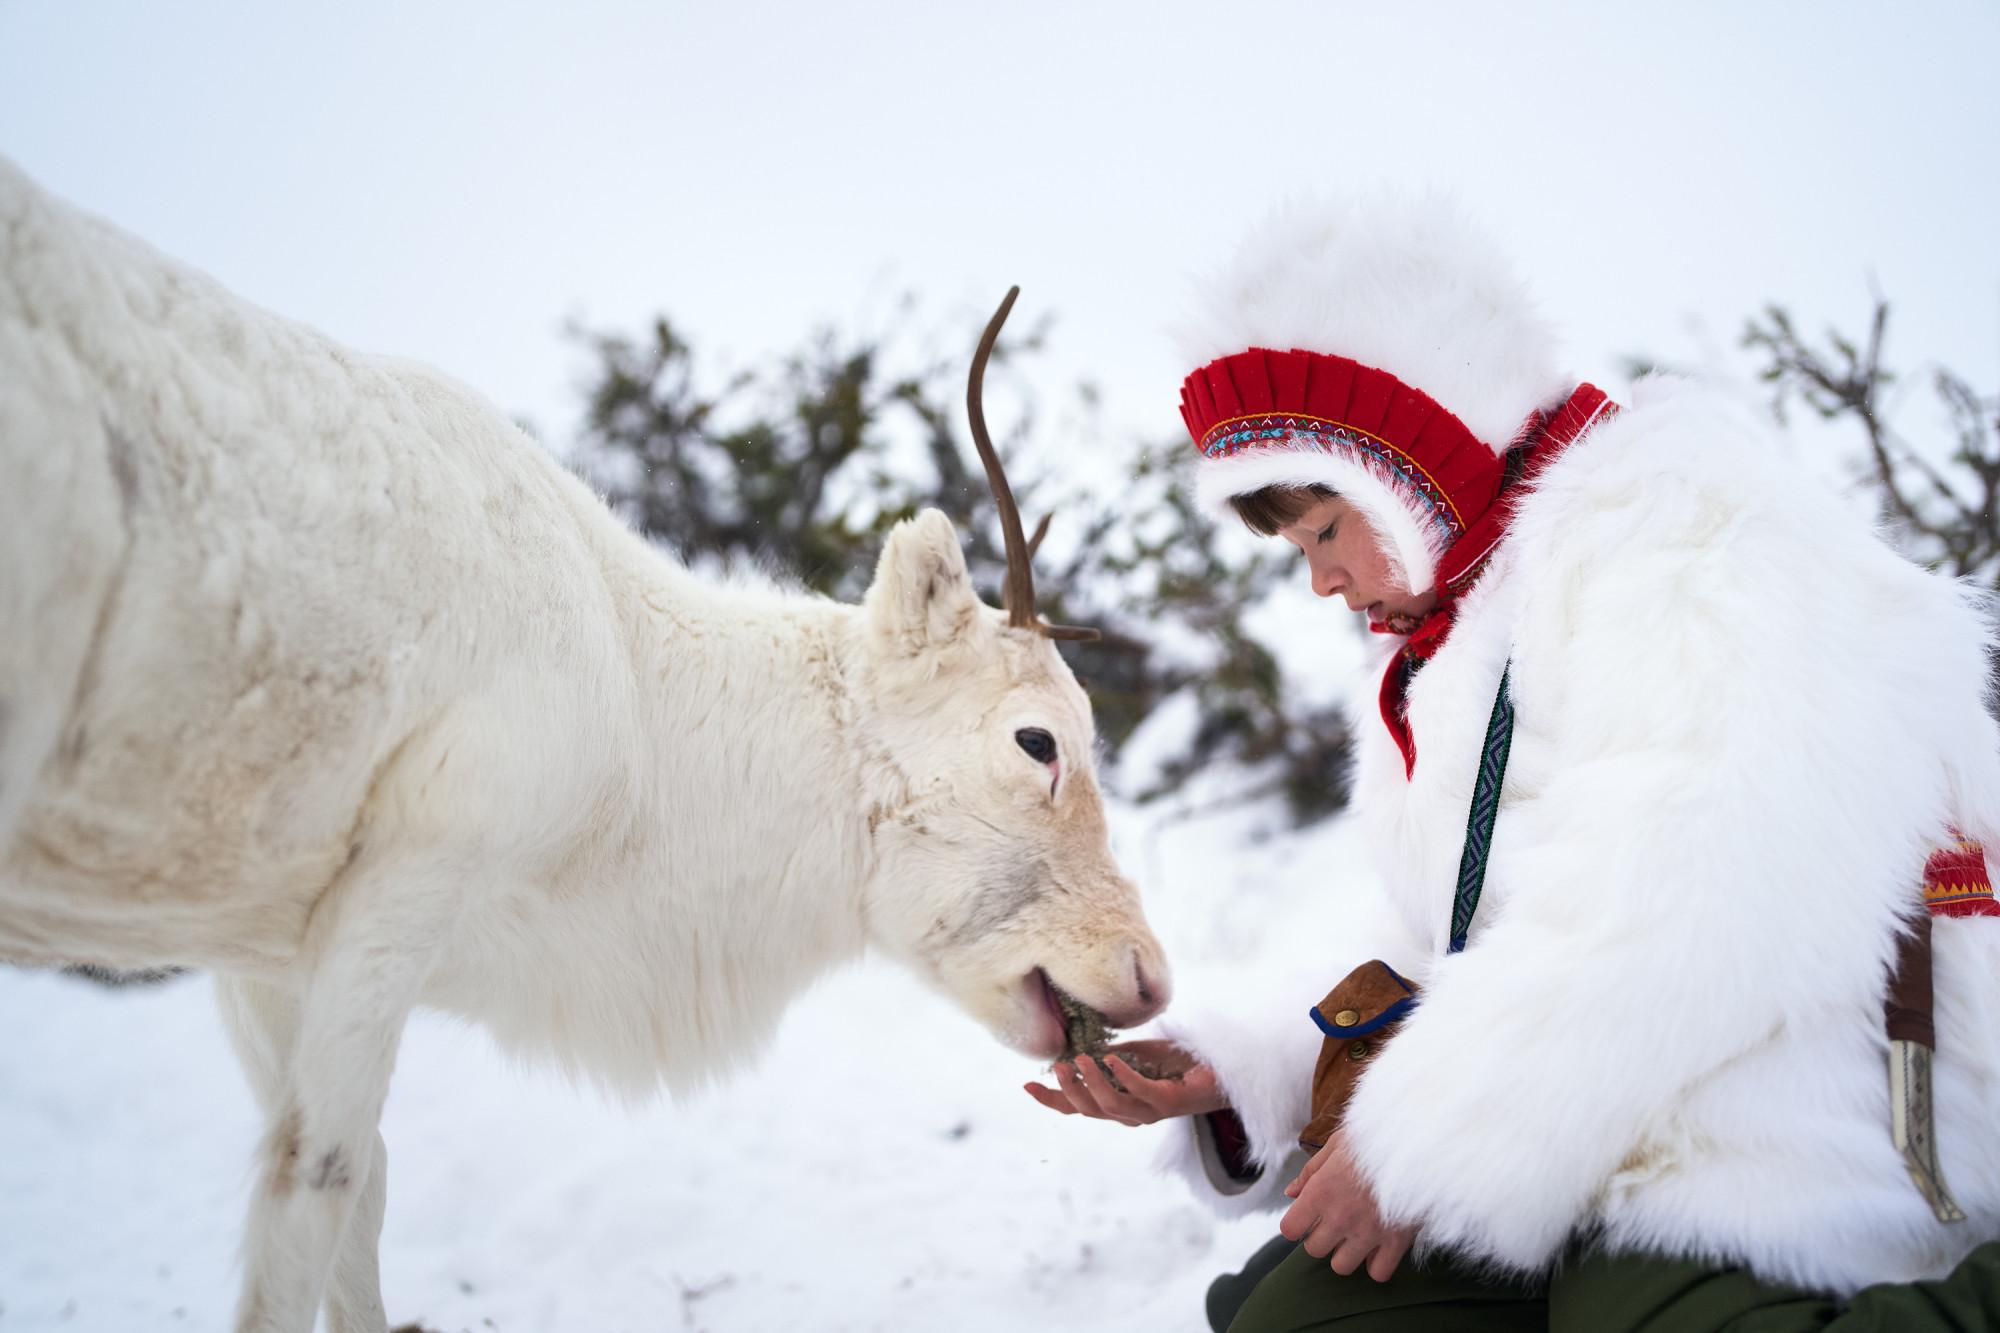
(1348, 562)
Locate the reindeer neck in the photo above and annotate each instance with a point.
(751, 733)
(719, 855)
(748, 715)
(753, 842)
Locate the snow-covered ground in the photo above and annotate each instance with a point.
(880, 1168)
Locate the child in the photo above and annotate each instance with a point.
(1667, 739)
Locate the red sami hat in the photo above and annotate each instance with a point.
(1415, 359)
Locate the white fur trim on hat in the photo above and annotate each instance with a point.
(1413, 547)
(1407, 285)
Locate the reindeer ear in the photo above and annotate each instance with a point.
(922, 597)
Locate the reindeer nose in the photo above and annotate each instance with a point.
(1147, 993)
(1151, 988)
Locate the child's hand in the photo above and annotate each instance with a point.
(1335, 1214)
(1083, 1089)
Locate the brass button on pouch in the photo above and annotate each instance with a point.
(1346, 1018)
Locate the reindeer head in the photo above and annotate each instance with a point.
(995, 877)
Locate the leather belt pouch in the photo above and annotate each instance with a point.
(1357, 1016)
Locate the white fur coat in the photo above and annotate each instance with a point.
(1742, 723)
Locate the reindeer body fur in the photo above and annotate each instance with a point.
(233, 659)
(318, 673)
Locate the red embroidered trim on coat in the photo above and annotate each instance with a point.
(1956, 882)
(1544, 439)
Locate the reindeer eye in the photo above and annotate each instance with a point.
(1041, 746)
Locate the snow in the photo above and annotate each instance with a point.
(880, 1168)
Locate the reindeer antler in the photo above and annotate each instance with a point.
(1018, 595)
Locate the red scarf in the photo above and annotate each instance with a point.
(1544, 438)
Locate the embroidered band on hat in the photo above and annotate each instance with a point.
(1297, 404)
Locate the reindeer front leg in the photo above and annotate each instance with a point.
(323, 1174)
(263, 1025)
(354, 1298)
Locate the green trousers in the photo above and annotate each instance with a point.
(1285, 1290)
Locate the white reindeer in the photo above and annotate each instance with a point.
(316, 672)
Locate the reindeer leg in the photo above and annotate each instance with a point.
(263, 1025)
(323, 1178)
(354, 1298)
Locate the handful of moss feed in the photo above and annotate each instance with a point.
(1086, 1034)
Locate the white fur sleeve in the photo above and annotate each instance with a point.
(1250, 1021)
(1732, 723)
(1264, 1065)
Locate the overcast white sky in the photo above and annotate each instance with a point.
(454, 180)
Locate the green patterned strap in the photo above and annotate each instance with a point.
(1485, 808)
